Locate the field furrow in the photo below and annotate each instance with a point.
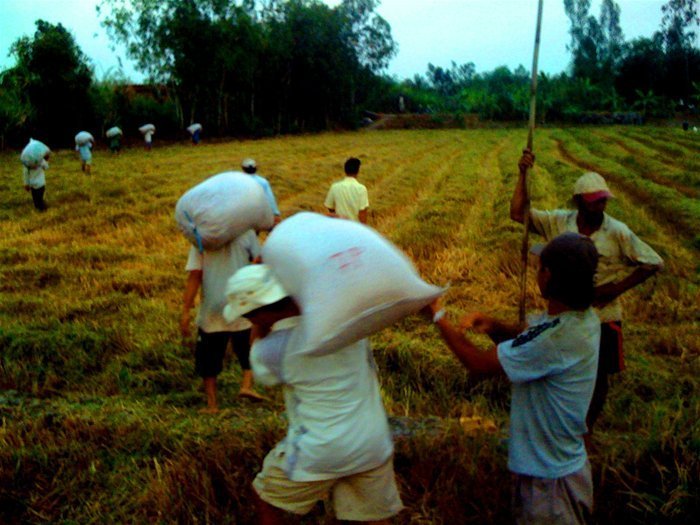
(98, 401)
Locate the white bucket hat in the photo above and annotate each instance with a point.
(250, 288)
(592, 186)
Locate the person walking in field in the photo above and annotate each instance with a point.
(625, 262)
(552, 367)
(195, 131)
(114, 134)
(84, 143)
(338, 444)
(148, 130)
(251, 167)
(209, 272)
(35, 159)
(348, 198)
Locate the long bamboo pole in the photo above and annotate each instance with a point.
(525, 249)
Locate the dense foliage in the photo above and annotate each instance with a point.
(257, 68)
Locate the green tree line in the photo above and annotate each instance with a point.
(655, 76)
(254, 68)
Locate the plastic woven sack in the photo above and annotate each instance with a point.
(33, 153)
(349, 281)
(83, 138)
(147, 128)
(113, 132)
(194, 127)
(221, 208)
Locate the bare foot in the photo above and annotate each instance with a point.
(209, 410)
(251, 394)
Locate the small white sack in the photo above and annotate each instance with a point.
(221, 208)
(113, 132)
(33, 153)
(83, 138)
(193, 127)
(349, 281)
(146, 128)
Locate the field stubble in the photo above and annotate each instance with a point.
(99, 403)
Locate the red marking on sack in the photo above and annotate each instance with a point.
(347, 259)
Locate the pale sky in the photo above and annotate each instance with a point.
(490, 33)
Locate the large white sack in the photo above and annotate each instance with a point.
(83, 137)
(113, 132)
(147, 128)
(194, 127)
(348, 280)
(221, 208)
(33, 153)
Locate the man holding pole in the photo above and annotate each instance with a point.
(625, 261)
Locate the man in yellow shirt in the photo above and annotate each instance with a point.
(348, 198)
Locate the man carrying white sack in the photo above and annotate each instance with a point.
(338, 442)
(209, 271)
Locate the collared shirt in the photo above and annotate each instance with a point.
(217, 266)
(347, 197)
(337, 423)
(552, 366)
(619, 249)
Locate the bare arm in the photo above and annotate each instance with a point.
(362, 215)
(608, 292)
(475, 360)
(518, 201)
(194, 281)
(497, 330)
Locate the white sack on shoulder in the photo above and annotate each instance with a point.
(146, 128)
(33, 153)
(222, 208)
(113, 132)
(349, 281)
(194, 127)
(83, 138)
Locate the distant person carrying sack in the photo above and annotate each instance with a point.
(114, 134)
(338, 445)
(35, 159)
(251, 167)
(195, 131)
(148, 130)
(625, 262)
(84, 142)
(210, 271)
(552, 367)
(348, 198)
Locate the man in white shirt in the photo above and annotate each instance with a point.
(625, 262)
(35, 182)
(210, 271)
(348, 198)
(338, 442)
(552, 367)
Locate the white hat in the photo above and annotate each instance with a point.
(249, 163)
(250, 288)
(591, 186)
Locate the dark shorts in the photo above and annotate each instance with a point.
(612, 357)
(211, 349)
